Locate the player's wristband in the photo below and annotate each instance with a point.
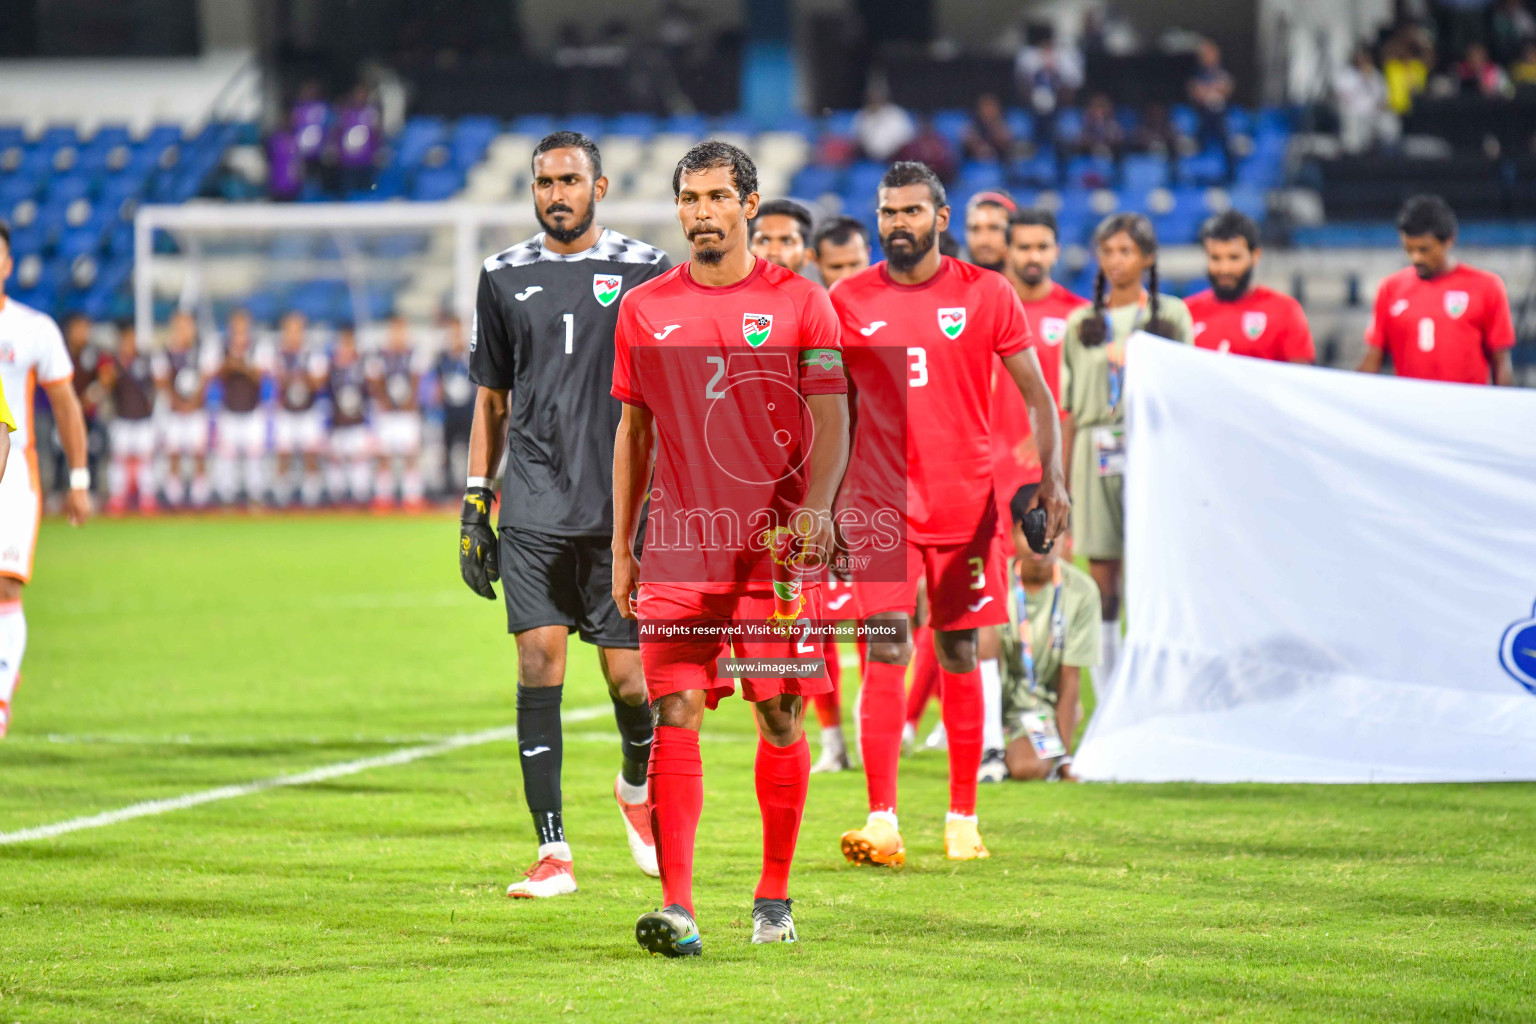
(80, 479)
(478, 481)
(1061, 762)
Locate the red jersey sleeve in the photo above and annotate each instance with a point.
(821, 349)
(1297, 345)
(1498, 326)
(1376, 330)
(626, 335)
(1013, 333)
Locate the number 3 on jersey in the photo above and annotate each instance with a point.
(918, 365)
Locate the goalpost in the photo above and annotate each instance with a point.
(353, 262)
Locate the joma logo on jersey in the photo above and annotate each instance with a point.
(1456, 303)
(756, 327)
(952, 321)
(606, 288)
(1254, 324)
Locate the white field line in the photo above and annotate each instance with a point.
(150, 808)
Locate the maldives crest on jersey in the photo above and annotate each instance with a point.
(755, 327)
(1456, 303)
(606, 288)
(1254, 324)
(952, 321)
(1053, 329)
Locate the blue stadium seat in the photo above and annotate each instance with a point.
(862, 182)
(1020, 123)
(1038, 170)
(838, 122)
(1181, 223)
(1184, 119)
(1208, 167)
(590, 125)
(951, 124)
(418, 136)
(470, 138)
(1069, 125)
(436, 183)
(1090, 172)
(1249, 199)
(537, 125)
(814, 181)
(12, 135)
(13, 189)
(1142, 172)
(686, 124)
(980, 176)
(732, 124)
(642, 126)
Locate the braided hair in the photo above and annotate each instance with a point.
(1092, 331)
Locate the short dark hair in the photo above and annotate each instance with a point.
(1224, 227)
(785, 208)
(1033, 216)
(570, 140)
(839, 230)
(713, 153)
(912, 172)
(1427, 215)
(5, 234)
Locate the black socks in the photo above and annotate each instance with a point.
(541, 750)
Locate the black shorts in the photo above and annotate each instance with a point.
(563, 581)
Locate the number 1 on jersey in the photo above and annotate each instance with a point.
(570, 331)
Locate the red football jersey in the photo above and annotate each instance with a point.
(1015, 462)
(723, 372)
(1264, 323)
(1445, 328)
(953, 328)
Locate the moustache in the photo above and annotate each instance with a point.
(900, 236)
(558, 208)
(705, 229)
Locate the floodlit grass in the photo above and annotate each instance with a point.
(176, 655)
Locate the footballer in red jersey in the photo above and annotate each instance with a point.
(1439, 319)
(1233, 315)
(731, 376)
(952, 321)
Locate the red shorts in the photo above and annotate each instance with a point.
(672, 666)
(841, 600)
(965, 584)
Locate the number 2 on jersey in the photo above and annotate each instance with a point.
(918, 365)
(570, 331)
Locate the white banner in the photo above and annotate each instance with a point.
(1330, 578)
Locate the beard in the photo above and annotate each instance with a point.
(904, 260)
(1236, 291)
(1425, 272)
(565, 236)
(1032, 274)
(707, 254)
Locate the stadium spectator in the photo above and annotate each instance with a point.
(1366, 119)
(986, 136)
(780, 232)
(1480, 76)
(285, 165)
(1155, 131)
(298, 423)
(1405, 68)
(310, 122)
(1093, 368)
(1047, 75)
(881, 127)
(1438, 319)
(1523, 72)
(1053, 633)
(1511, 28)
(932, 148)
(394, 378)
(181, 373)
(455, 396)
(358, 132)
(840, 248)
(89, 389)
(986, 229)
(1210, 90)
(1102, 134)
(350, 446)
(240, 460)
(129, 378)
(1235, 315)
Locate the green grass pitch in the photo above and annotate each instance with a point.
(171, 656)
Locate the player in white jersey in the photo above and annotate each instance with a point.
(394, 380)
(299, 425)
(241, 452)
(182, 372)
(31, 353)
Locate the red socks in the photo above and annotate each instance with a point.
(783, 776)
(925, 675)
(677, 798)
(963, 719)
(880, 720)
(829, 706)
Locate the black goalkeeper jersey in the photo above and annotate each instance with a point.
(543, 329)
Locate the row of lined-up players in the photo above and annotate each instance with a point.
(283, 421)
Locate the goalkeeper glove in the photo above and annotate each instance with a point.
(477, 543)
(1034, 531)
